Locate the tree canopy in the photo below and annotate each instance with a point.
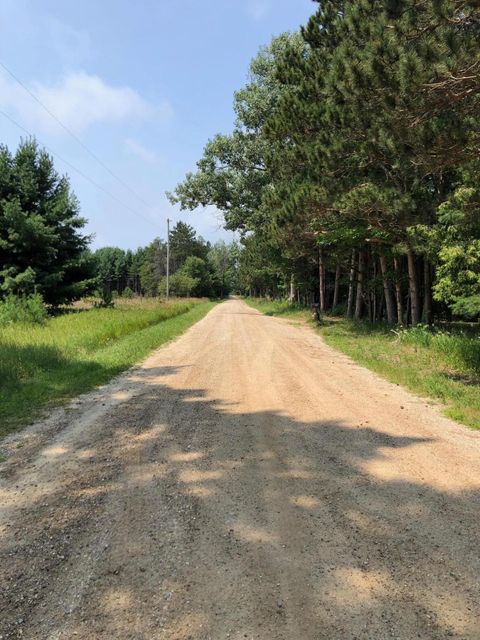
(352, 171)
(42, 247)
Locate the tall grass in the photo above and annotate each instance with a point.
(459, 349)
(44, 364)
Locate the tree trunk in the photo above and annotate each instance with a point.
(413, 288)
(336, 289)
(321, 279)
(427, 299)
(291, 297)
(389, 304)
(360, 283)
(382, 306)
(398, 290)
(351, 285)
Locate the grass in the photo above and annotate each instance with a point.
(441, 364)
(44, 365)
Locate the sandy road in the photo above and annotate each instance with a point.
(245, 482)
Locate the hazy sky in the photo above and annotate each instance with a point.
(143, 84)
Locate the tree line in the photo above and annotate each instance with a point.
(44, 250)
(352, 172)
(197, 267)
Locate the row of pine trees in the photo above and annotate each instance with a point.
(353, 171)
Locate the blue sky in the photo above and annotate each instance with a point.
(143, 84)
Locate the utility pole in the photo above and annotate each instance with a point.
(168, 259)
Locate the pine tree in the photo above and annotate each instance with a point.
(42, 248)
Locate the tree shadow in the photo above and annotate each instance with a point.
(309, 542)
(36, 377)
(471, 380)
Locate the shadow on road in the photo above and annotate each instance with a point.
(188, 518)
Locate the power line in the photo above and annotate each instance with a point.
(74, 136)
(79, 171)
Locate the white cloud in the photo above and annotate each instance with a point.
(79, 100)
(258, 9)
(135, 147)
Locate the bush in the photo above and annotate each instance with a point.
(106, 297)
(127, 293)
(27, 309)
(468, 308)
(181, 285)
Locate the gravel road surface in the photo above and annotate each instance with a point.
(246, 481)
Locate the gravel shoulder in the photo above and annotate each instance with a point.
(245, 481)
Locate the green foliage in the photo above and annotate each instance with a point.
(111, 269)
(199, 273)
(126, 273)
(224, 262)
(181, 285)
(467, 307)
(460, 350)
(42, 248)
(193, 279)
(26, 309)
(184, 243)
(153, 266)
(361, 133)
(127, 293)
(458, 274)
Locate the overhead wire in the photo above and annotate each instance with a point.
(82, 144)
(73, 135)
(77, 170)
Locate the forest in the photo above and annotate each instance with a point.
(198, 268)
(352, 171)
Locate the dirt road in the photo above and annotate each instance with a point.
(245, 482)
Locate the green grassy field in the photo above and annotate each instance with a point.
(444, 365)
(43, 365)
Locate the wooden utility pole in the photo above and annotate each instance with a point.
(167, 293)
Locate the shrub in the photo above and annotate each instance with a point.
(468, 308)
(26, 309)
(106, 297)
(181, 285)
(127, 293)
